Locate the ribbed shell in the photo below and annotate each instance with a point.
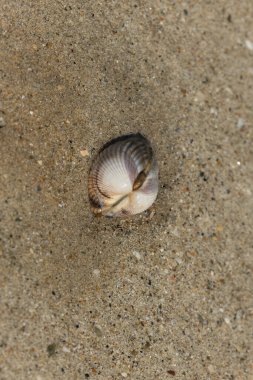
(123, 178)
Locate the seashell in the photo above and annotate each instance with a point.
(123, 178)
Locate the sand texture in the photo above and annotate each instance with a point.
(164, 295)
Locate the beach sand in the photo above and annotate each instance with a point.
(167, 294)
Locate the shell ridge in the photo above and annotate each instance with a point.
(113, 167)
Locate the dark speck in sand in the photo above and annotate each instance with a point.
(51, 349)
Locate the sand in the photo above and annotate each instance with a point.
(164, 295)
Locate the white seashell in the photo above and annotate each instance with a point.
(123, 178)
